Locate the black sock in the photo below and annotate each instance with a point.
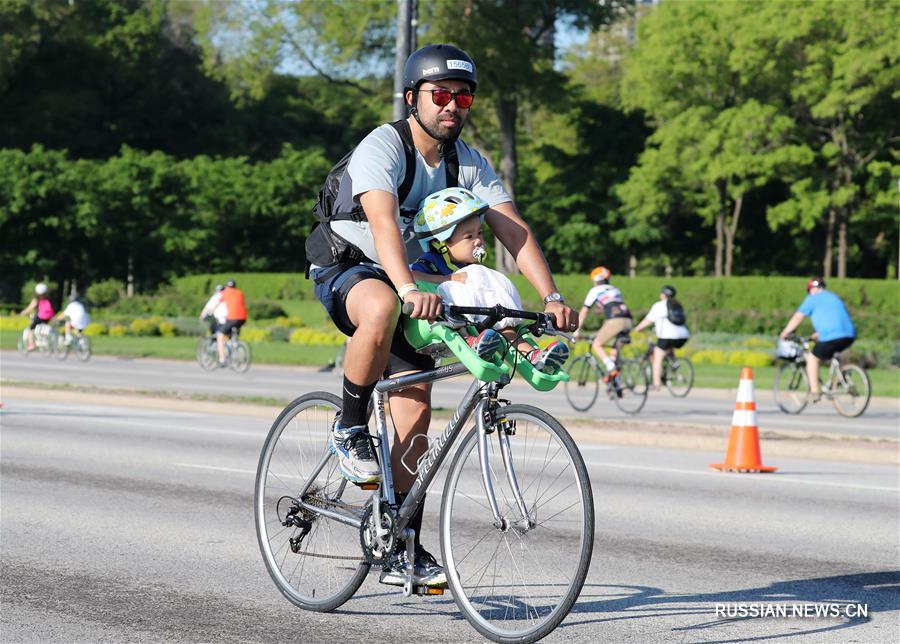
(356, 401)
(416, 522)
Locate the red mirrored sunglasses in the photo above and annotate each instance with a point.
(442, 97)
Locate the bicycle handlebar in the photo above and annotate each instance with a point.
(543, 322)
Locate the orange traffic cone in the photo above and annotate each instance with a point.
(743, 446)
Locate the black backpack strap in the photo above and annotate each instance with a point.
(409, 149)
(451, 164)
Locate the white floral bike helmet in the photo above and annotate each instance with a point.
(41, 288)
(441, 212)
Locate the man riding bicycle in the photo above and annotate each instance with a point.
(608, 300)
(669, 336)
(363, 295)
(215, 310)
(76, 317)
(834, 330)
(236, 316)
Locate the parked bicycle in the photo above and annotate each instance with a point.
(847, 385)
(516, 518)
(79, 343)
(237, 353)
(46, 340)
(628, 389)
(677, 373)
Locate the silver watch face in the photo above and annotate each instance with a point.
(554, 297)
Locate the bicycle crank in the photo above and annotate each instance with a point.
(377, 541)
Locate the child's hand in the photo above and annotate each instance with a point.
(459, 277)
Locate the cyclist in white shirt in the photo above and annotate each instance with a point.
(608, 300)
(76, 316)
(216, 308)
(669, 336)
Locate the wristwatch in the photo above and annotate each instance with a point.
(554, 297)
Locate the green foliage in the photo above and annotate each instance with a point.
(263, 309)
(105, 292)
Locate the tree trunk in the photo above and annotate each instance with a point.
(730, 232)
(129, 289)
(842, 245)
(507, 111)
(829, 242)
(720, 228)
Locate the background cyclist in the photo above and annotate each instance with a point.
(608, 301)
(236, 315)
(43, 311)
(215, 310)
(834, 330)
(361, 296)
(76, 317)
(669, 335)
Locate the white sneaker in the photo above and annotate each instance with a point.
(356, 454)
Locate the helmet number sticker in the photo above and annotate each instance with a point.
(460, 64)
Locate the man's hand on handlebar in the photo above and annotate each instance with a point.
(566, 318)
(425, 306)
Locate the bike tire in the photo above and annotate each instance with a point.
(583, 384)
(207, 354)
(634, 385)
(83, 348)
(679, 375)
(536, 573)
(791, 388)
(851, 395)
(329, 568)
(241, 357)
(22, 345)
(60, 348)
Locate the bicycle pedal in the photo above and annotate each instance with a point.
(427, 590)
(366, 486)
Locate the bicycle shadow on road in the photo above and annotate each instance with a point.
(879, 590)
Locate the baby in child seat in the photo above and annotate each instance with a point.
(448, 227)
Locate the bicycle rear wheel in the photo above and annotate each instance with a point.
(583, 384)
(633, 387)
(679, 375)
(207, 354)
(791, 388)
(518, 582)
(83, 348)
(60, 348)
(852, 392)
(240, 357)
(315, 561)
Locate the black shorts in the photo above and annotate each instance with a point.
(36, 320)
(825, 350)
(333, 283)
(666, 344)
(226, 328)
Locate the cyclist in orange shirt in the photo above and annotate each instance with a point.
(236, 311)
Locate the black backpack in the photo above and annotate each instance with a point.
(675, 313)
(324, 247)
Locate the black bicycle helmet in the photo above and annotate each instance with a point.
(439, 62)
(668, 290)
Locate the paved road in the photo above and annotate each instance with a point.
(702, 407)
(123, 524)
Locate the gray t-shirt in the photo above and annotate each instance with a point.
(379, 163)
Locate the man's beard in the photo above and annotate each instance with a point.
(442, 134)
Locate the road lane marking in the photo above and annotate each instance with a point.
(777, 478)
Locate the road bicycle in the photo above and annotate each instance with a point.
(516, 516)
(677, 373)
(80, 344)
(847, 385)
(237, 353)
(46, 340)
(628, 389)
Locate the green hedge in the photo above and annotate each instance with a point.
(746, 305)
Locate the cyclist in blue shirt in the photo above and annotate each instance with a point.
(834, 330)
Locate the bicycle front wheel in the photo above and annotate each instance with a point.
(315, 561)
(631, 392)
(207, 355)
(791, 388)
(583, 384)
(240, 357)
(679, 375)
(852, 391)
(60, 349)
(517, 582)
